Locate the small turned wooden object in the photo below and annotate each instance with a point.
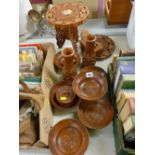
(69, 66)
(89, 56)
(65, 17)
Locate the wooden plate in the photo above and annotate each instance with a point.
(107, 44)
(63, 98)
(104, 46)
(90, 85)
(59, 60)
(68, 137)
(95, 68)
(95, 115)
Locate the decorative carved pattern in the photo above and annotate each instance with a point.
(66, 17)
(89, 56)
(69, 66)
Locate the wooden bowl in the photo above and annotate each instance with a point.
(95, 115)
(68, 137)
(65, 94)
(62, 95)
(90, 85)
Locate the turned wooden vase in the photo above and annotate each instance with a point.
(70, 64)
(89, 56)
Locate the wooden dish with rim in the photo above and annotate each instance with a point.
(68, 137)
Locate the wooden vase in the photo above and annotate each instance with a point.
(89, 56)
(70, 65)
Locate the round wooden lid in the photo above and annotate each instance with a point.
(67, 14)
(68, 137)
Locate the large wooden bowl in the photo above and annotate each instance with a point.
(90, 85)
(95, 115)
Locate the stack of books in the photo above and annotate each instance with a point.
(30, 64)
(122, 82)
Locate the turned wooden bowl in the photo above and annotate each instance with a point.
(62, 95)
(90, 85)
(96, 114)
(65, 94)
(68, 137)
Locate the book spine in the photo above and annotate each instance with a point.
(129, 124)
(127, 110)
(127, 81)
(124, 60)
(117, 59)
(123, 69)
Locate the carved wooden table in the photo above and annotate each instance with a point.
(65, 18)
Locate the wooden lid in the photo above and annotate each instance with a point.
(67, 14)
(68, 137)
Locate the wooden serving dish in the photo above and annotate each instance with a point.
(95, 115)
(104, 45)
(107, 44)
(62, 95)
(68, 137)
(90, 85)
